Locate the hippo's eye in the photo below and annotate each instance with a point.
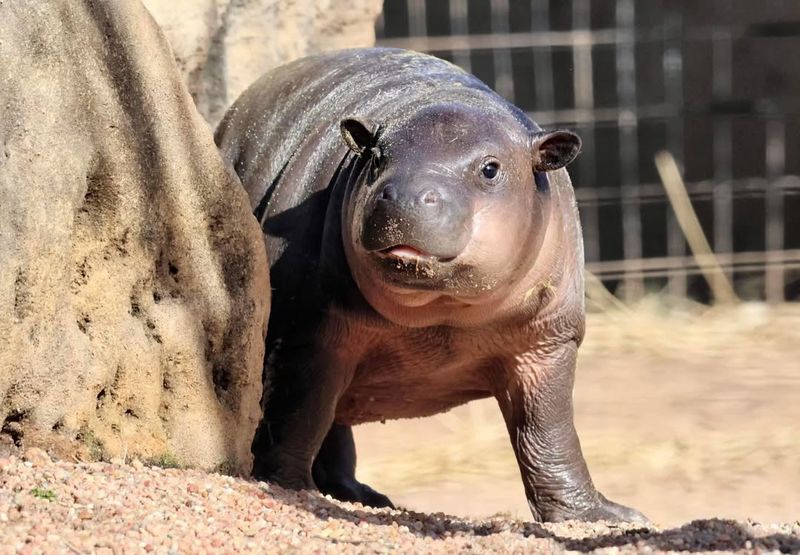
(490, 169)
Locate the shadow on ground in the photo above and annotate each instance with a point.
(697, 536)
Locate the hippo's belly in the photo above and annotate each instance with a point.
(391, 386)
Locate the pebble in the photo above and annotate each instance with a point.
(36, 457)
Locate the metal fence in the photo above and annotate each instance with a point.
(714, 82)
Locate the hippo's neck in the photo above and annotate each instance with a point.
(554, 288)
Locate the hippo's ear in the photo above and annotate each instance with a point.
(358, 135)
(552, 150)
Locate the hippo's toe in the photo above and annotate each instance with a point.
(356, 492)
(614, 512)
(603, 510)
(372, 498)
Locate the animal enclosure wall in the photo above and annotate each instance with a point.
(714, 82)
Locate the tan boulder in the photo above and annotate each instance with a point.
(133, 278)
(222, 46)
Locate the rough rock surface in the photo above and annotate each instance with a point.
(133, 285)
(222, 46)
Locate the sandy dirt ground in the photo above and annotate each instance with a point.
(681, 416)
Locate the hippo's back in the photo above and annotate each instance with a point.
(286, 125)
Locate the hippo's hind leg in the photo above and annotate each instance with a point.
(334, 470)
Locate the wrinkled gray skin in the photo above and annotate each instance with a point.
(425, 251)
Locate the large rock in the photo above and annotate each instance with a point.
(133, 281)
(222, 46)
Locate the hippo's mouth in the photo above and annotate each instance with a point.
(403, 267)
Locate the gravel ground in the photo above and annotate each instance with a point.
(49, 506)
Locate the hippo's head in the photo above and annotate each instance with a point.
(449, 210)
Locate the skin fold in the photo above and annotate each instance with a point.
(425, 251)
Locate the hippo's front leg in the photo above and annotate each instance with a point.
(304, 386)
(535, 396)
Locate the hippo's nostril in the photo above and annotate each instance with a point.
(430, 197)
(389, 193)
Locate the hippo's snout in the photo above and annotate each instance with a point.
(426, 218)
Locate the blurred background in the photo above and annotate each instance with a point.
(688, 392)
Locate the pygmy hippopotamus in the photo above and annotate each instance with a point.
(425, 251)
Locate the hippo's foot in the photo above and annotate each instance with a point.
(602, 509)
(350, 489)
(334, 470)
